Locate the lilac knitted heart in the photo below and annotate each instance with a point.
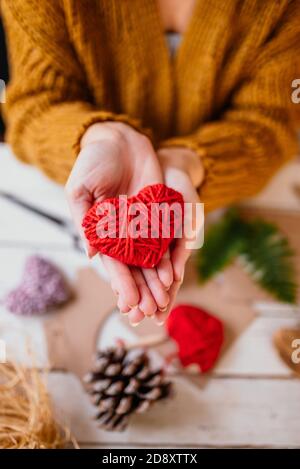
(42, 288)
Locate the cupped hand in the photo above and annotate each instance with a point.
(183, 171)
(117, 160)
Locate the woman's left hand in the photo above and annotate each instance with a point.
(183, 172)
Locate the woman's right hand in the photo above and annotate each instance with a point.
(114, 160)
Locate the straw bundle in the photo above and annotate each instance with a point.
(26, 414)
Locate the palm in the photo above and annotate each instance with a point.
(110, 167)
(110, 171)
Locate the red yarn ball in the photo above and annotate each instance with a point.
(198, 334)
(142, 227)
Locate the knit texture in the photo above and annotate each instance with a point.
(226, 93)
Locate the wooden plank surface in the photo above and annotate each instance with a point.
(18, 226)
(251, 398)
(251, 354)
(30, 184)
(223, 412)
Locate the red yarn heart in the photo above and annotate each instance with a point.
(158, 207)
(198, 334)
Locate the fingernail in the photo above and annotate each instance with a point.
(163, 310)
(160, 323)
(146, 314)
(122, 311)
(180, 278)
(88, 253)
(134, 324)
(132, 306)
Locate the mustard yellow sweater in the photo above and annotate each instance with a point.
(227, 92)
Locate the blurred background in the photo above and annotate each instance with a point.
(250, 398)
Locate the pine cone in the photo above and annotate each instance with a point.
(121, 384)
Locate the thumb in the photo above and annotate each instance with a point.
(80, 201)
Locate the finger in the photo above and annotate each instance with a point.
(135, 316)
(80, 201)
(165, 270)
(156, 287)
(147, 303)
(122, 283)
(90, 251)
(160, 317)
(179, 256)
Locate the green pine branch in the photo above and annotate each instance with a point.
(266, 253)
(269, 259)
(223, 241)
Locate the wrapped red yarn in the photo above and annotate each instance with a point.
(198, 334)
(136, 230)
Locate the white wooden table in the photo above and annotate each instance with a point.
(252, 399)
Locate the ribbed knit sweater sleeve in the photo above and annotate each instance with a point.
(60, 85)
(48, 102)
(256, 133)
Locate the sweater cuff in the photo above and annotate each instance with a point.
(228, 158)
(188, 143)
(51, 141)
(106, 116)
